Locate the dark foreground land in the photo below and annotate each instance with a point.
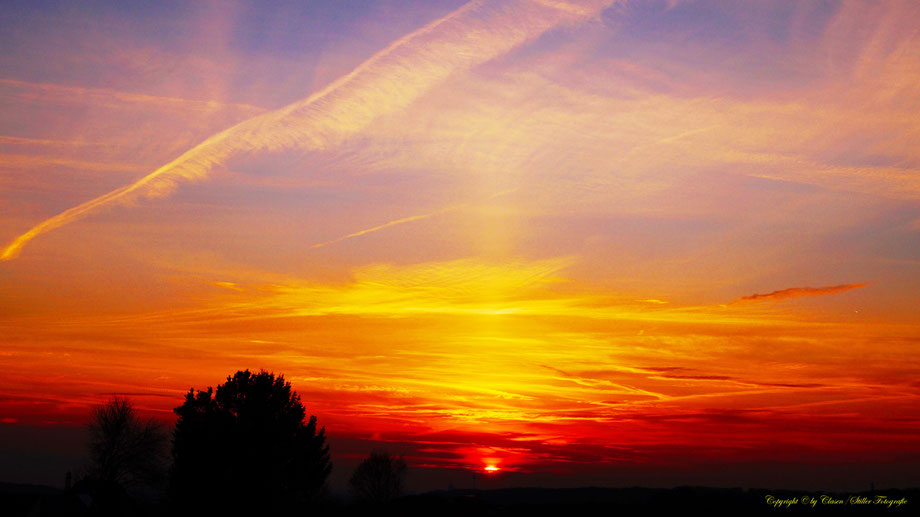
(22, 500)
(674, 501)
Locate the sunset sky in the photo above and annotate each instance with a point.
(582, 242)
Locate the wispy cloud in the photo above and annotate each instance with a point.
(404, 220)
(57, 94)
(27, 162)
(387, 225)
(390, 80)
(798, 292)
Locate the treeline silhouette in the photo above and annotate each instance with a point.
(248, 448)
(244, 448)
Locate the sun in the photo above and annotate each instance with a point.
(491, 469)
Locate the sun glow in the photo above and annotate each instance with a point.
(492, 469)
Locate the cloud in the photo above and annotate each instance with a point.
(385, 226)
(29, 162)
(389, 81)
(46, 94)
(577, 130)
(798, 292)
(404, 220)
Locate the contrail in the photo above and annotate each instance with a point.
(387, 225)
(388, 81)
(409, 219)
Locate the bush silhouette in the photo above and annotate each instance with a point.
(379, 478)
(245, 448)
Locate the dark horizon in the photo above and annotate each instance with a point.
(555, 243)
(43, 455)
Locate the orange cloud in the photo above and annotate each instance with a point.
(798, 292)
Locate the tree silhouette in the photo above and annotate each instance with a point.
(127, 458)
(246, 448)
(124, 450)
(379, 478)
